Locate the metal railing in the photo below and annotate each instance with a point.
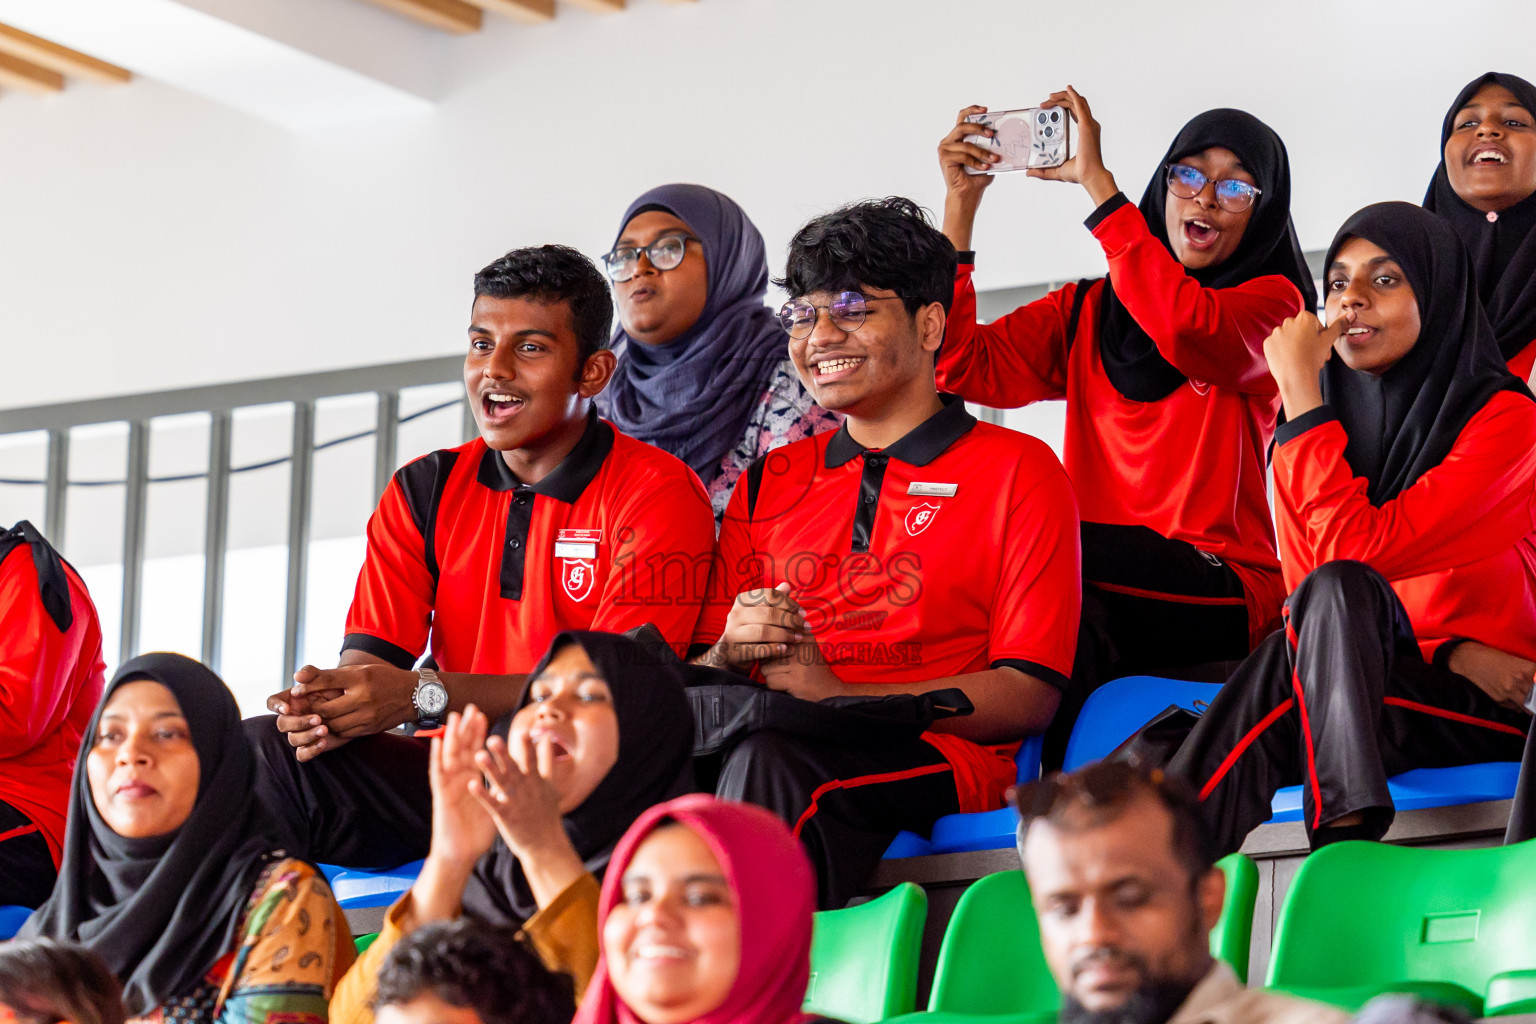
(220, 402)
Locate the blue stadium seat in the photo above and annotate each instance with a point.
(358, 890)
(1117, 709)
(988, 830)
(11, 920)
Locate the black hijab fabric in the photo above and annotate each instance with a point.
(1504, 249)
(655, 763)
(160, 912)
(694, 395)
(1405, 422)
(1269, 246)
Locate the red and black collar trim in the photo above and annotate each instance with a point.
(565, 482)
(920, 446)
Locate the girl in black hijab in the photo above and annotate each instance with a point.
(602, 732)
(170, 874)
(1405, 491)
(1485, 187)
(1170, 406)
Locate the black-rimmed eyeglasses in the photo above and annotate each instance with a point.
(847, 310)
(666, 253)
(1232, 195)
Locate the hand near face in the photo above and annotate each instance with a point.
(1297, 350)
(461, 829)
(519, 794)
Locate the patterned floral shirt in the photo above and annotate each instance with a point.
(786, 413)
(294, 946)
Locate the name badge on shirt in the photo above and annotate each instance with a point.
(932, 490)
(580, 544)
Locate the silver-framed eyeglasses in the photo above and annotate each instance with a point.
(847, 310)
(1232, 195)
(666, 253)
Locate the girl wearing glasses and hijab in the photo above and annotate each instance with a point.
(704, 370)
(1486, 187)
(1170, 406)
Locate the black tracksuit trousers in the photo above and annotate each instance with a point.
(1337, 701)
(845, 804)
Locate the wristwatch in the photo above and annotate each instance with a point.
(430, 699)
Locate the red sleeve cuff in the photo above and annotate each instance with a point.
(1105, 210)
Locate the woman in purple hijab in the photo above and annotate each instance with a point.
(704, 369)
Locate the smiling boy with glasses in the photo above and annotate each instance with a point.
(912, 550)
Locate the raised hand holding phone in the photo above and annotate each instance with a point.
(1086, 167)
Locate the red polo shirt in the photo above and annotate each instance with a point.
(952, 551)
(51, 678)
(616, 536)
(1459, 546)
(1190, 466)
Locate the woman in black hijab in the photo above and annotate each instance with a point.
(1405, 491)
(1486, 187)
(170, 874)
(1170, 406)
(603, 731)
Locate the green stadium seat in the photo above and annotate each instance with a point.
(362, 942)
(1454, 926)
(864, 958)
(991, 964)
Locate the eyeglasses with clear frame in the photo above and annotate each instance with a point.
(848, 311)
(1232, 195)
(665, 253)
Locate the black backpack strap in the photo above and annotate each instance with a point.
(1078, 297)
(754, 484)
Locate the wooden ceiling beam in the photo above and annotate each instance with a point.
(60, 59)
(530, 12)
(454, 16)
(598, 6)
(21, 74)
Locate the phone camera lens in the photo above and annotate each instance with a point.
(1042, 117)
(1049, 131)
(1055, 116)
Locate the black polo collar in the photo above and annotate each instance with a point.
(921, 445)
(565, 482)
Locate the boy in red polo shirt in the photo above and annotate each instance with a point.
(550, 520)
(50, 680)
(914, 549)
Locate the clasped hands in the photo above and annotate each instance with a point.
(768, 627)
(325, 708)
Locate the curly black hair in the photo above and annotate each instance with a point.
(44, 981)
(555, 273)
(882, 243)
(483, 967)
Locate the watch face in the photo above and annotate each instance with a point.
(431, 699)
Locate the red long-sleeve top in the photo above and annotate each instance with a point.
(1190, 466)
(1459, 546)
(1523, 362)
(49, 685)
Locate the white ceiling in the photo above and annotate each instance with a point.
(197, 226)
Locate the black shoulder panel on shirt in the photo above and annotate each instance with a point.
(422, 484)
(754, 483)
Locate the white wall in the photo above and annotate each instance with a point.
(150, 239)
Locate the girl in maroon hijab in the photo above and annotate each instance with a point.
(705, 917)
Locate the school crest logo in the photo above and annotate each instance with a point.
(577, 576)
(1201, 387)
(919, 517)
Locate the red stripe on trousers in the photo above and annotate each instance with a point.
(18, 832)
(1306, 727)
(864, 780)
(1156, 595)
(1455, 716)
(1243, 744)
